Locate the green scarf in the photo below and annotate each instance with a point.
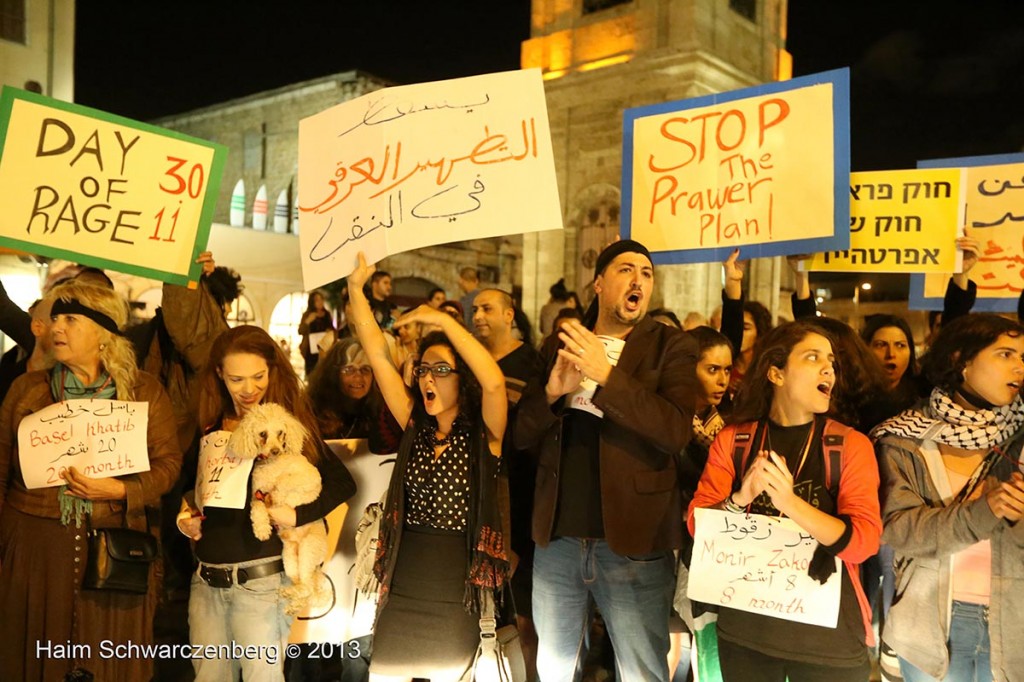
(64, 385)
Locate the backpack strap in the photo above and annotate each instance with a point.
(743, 442)
(833, 440)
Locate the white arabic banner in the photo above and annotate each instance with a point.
(758, 563)
(222, 478)
(352, 613)
(100, 438)
(418, 165)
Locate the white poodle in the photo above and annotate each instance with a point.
(282, 476)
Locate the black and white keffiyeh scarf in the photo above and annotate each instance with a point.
(705, 430)
(944, 421)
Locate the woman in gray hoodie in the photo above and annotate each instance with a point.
(953, 495)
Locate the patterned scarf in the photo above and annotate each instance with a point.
(944, 421)
(488, 548)
(705, 430)
(64, 385)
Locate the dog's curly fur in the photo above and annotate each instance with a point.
(274, 438)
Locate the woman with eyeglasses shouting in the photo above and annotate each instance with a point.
(953, 502)
(441, 549)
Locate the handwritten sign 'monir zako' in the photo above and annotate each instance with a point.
(100, 438)
(759, 564)
(94, 188)
(418, 165)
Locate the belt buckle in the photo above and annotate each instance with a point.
(215, 577)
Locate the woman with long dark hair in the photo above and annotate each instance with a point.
(782, 405)
(235, 594)
(316, 320)
(442, 552)
(954, 498)
(347, 401)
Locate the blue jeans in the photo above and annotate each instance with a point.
(634, 595)
(969, 651)
(246, 616)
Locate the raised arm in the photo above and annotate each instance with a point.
(961, 292)
(494, 404)
(371, 338)
(804, 306)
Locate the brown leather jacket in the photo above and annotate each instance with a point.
(648, 406)
(30, 393)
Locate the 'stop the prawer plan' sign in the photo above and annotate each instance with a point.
(95, 188)
(418, 165)
(764, 168)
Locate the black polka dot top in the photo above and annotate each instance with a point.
(437, 491)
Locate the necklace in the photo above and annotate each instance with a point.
(803, 456)
(442, 440)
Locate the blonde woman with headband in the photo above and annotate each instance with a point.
(43, 549)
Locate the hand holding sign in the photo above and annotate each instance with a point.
(95, 489)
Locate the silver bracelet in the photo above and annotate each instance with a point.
(731, 506)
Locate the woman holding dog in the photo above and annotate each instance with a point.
(43, 531)
(441, 549)
(234, 596)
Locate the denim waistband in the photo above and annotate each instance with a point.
(966, 609)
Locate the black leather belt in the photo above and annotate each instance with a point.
(217, 576)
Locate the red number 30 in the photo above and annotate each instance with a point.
(194, 184)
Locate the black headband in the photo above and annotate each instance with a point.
(73, 307)
(616, 248)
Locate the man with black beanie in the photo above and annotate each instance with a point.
(613, 412)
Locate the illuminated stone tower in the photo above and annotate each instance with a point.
(600, 57)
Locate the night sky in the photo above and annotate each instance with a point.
(929, 79)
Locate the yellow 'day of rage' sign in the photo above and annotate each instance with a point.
(102, 190)
(901, 221)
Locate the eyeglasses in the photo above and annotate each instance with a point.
(438, 371)
(349, 370)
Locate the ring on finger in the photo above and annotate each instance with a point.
(579, 350)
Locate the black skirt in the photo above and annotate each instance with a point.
(424, 629)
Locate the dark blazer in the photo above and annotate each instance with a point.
(648, 406)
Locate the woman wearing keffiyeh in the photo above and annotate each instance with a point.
(953, 497)
(442, 546)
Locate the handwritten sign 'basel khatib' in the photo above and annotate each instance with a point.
(99, 189)
(759, 564)
(100, 438)
(418, 165)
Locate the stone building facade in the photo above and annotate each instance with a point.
(598, 57)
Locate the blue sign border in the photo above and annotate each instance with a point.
(840, 80)
(916, 300)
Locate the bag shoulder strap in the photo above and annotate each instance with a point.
(742, 443)
(833, 441)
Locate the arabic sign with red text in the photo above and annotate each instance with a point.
(100, 438)
(418, 165)
(995, 217)
(758, 564)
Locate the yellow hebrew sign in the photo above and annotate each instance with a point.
(900, 221)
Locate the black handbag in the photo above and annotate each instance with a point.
(119, 558)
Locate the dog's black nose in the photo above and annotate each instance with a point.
(275, 451)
